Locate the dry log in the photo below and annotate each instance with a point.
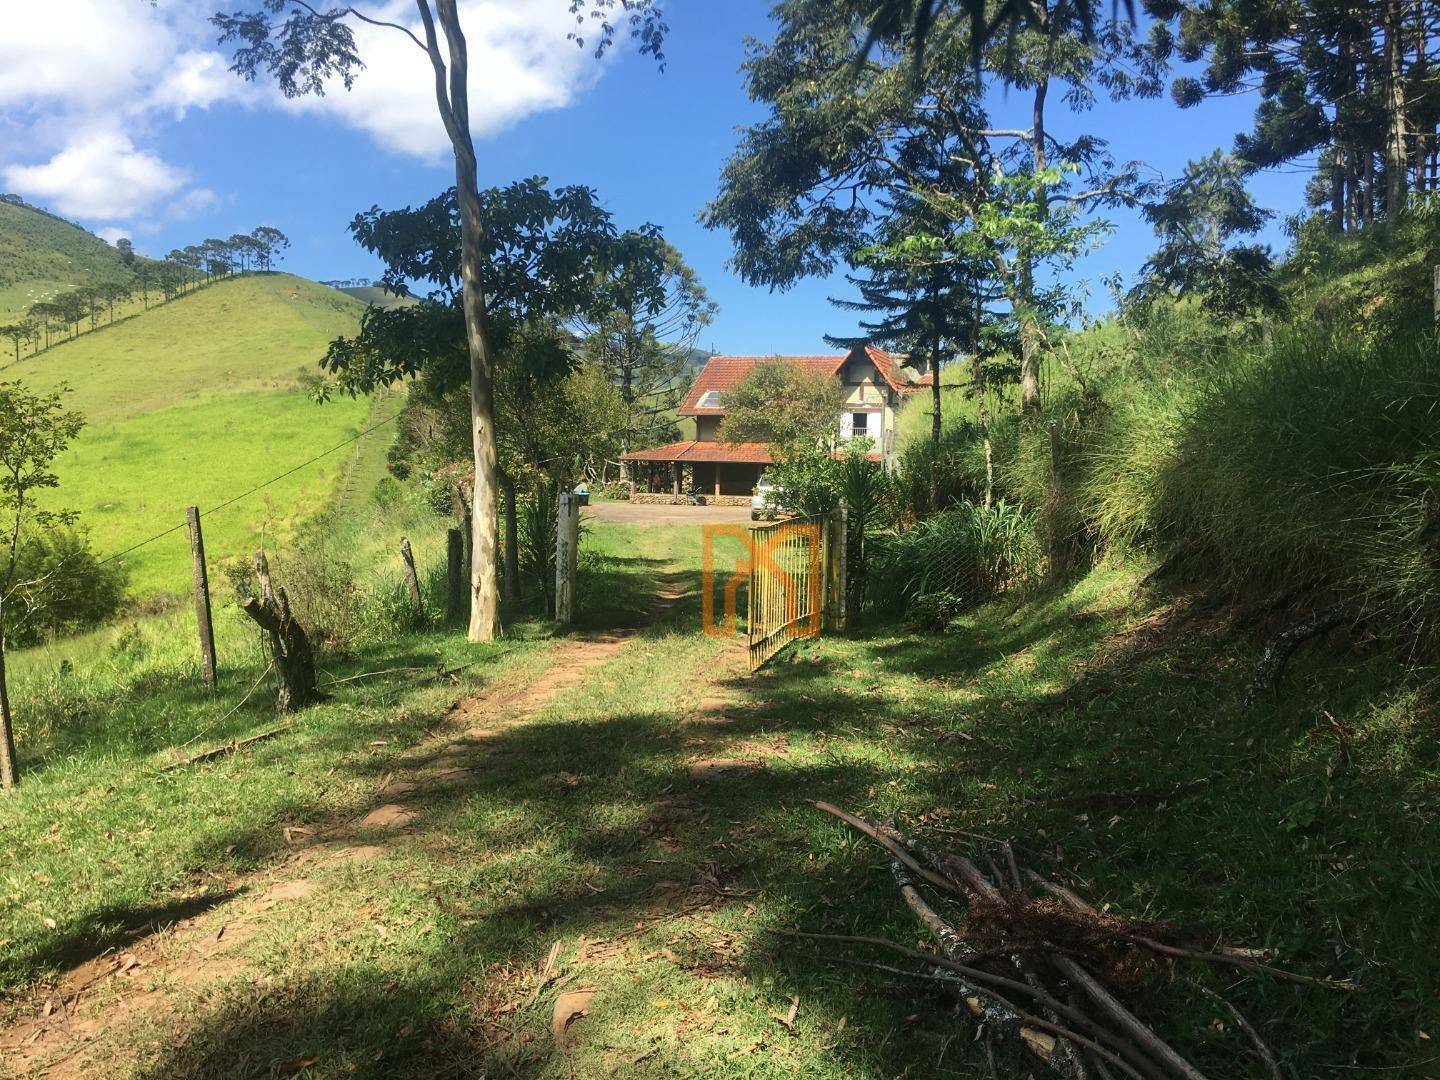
(870, 829)
(1037, 1033)
(1230, 957)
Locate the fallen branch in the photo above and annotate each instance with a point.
(1244, 1025)
(1283, 645)
(228, 748)
(1059, 945)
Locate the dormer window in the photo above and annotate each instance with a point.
(709, 400)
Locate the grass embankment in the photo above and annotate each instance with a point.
(649, 821)
(194, 403)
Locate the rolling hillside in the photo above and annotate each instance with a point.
(41, 254)
(195, 403)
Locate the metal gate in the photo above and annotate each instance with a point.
(797, 574)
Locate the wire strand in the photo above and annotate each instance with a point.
(246, 494)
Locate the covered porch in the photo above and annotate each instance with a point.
(717, 473)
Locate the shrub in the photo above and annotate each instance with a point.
(967, 551)
(71, 589)
(933, 612)
(538, 514)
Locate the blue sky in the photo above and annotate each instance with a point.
(194, 153)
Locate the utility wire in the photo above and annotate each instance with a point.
(252, 491)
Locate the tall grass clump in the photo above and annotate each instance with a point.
(967, 551)
(1310, 462)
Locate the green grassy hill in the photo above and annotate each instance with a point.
(41, 254)
(195, 403)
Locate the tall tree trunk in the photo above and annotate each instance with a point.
(936, 400)
(1367, 188)
(1030, 340)
(1396, 158)
(9, 763)
(1337, 186)
(455, 111)
(982, 414)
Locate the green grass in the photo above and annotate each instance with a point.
(42, 251)
(253, 333)
(1105, 732)
(196, 402)
(133, 478)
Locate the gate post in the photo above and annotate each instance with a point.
(836, 571)
(567, 543)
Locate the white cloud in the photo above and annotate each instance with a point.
(194, 203)
(85, 83)
(112, 235)
(520, 63)
(98, 176)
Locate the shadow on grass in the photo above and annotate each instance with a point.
(108, 930)
(1121, 759)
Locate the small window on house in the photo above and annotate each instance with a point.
(859, 425)
(709, 400)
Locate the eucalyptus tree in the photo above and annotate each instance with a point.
(546, 257)
(850, 149)
(305, 49)
(641, 325)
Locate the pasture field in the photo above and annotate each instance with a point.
(196, 402)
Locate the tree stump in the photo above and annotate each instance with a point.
(289, 645)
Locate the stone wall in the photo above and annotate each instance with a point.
(665, 498)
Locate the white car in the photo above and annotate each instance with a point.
(765, 503)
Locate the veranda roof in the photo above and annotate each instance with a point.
(690, 450)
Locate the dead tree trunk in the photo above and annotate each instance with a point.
(289, 645)
(1283, 645)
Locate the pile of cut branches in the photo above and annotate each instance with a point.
(1032, 960)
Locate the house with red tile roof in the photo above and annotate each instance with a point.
(727, 472)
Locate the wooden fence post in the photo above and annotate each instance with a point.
(454, 574)
(202, 596)
(837, 579)
(412, 580)
(567, 544)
